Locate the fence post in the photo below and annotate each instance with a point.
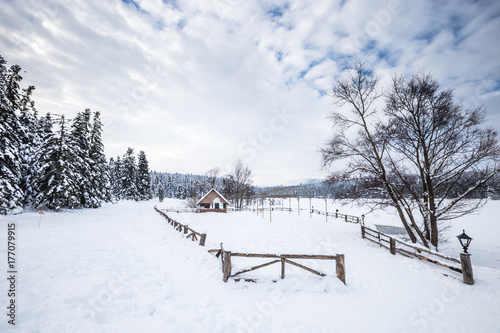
(186, 229)
(468, 277)
(310, 208)
(226, 265)
(203, 239)
(282, 268)
(362, 231)
(340, 267)
(270, 211)
(326, 209)
(392, 243)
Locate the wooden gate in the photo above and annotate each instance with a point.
(278, 258)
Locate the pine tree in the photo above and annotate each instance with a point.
(31, 142)
(12, 86)
(169, 187)
(45, 125)
(11, 195)
(179, 192)
(115, 177)
(99, 168)
(80, 137)
(57, 182)
(129, 176)
(160, 194)
(143, 178)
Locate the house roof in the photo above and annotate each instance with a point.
(223, 200)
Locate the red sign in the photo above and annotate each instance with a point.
(41, 212)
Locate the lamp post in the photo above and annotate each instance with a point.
(468, 277)
(464, 240)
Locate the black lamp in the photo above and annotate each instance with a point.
(464, 240)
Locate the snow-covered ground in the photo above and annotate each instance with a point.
(122, 268)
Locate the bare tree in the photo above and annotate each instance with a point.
(360, 140)
(212, 175)
(238, 183)
(415, 152)
(432, 136)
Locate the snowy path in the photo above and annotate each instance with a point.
(122, 268)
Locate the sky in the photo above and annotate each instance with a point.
(201, 84)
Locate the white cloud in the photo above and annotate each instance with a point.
(192, 82)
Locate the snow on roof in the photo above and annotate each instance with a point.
(218, 194)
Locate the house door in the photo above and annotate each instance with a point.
(216, 206)
(216, 203)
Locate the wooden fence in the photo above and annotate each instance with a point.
(337, 215)
(179, 210)
(194, 235)
(279, 258)
(394, 245)
(398, 246)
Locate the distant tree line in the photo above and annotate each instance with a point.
(366, 188)
(53, 162)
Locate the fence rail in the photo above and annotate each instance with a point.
(179, 210)
(279, 258)
(337, 215)
(190, 233)
(398, 246)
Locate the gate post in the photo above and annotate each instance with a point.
(226, 265)
(282, 268)
(340, 267)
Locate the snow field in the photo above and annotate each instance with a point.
(123, 268)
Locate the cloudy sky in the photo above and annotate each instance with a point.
(198, 84)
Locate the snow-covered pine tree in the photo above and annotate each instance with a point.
(179, 192)
(11, 195)
(57, 182)
(129, 176)
(143, 177)
(99, 167)
(31, 142)
(158, 185)
(115, 177)
(160, 194)
(12, 86)
(46, 124)
(169, 187)
(80, 136)
(155, 182)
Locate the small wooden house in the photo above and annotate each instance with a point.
(213, 201)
